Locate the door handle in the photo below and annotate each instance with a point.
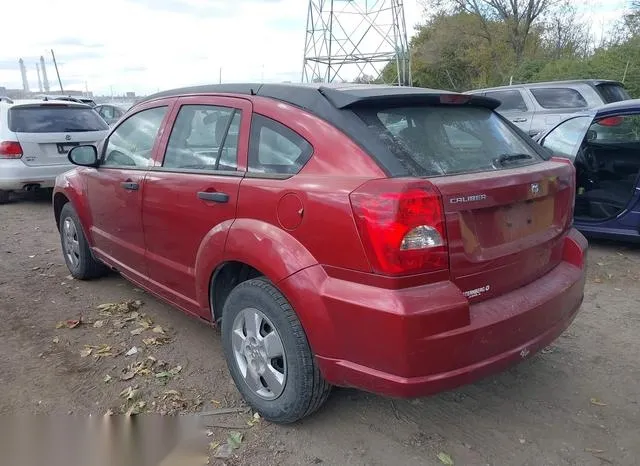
(130, 185)
(214, 196)
(519, 120)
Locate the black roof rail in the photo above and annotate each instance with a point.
(5, 99)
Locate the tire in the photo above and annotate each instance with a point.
(304, 390)
(4, 196)
(79, 258)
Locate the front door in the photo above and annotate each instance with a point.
(116, 187)
(194, 193)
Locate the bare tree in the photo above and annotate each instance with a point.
(518, 15)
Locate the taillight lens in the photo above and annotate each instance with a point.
(10, 150)
(401, 224)
(571, 182)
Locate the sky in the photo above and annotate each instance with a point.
(149, 45)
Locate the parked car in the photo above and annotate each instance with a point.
(110, 113)
(537, 107)
(331, 250)
(604, 145)
(35, 137)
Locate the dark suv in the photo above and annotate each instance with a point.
(399, 240)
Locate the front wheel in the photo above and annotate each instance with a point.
(77, 254)
(268, 354)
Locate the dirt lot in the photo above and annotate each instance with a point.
(577, 403)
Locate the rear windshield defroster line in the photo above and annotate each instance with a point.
(448, 140)
(54, 119)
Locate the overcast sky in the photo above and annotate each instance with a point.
(146, 45)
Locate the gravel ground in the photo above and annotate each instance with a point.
(577, 403)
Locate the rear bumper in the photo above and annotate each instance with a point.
(419, 341)
(15, 174)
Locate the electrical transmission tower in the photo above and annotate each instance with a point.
(356, 40)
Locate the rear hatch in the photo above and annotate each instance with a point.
(48, 131)
(506, 205)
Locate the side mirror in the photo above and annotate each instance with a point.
(84, 156)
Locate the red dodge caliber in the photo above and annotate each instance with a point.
(399, 240)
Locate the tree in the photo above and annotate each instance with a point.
(518, 16)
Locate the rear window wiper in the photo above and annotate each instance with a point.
(503, 159)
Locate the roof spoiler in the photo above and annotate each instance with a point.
(362, 96)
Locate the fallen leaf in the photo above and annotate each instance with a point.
(56, 340)
(132, 351)
(597, 402)
(224, 451)
(594, 450)
(445, 459)
(597, 280)
(109, 412)
(107, 306)
(107, 378)
(210, 434)
(136, 408)
(158, 329)
(176, 370)
(86, 352)
(98, 324)
(60, 325)
(130, 393)
(73, 323)
(137, 331)
(127, 376)
(235, 439)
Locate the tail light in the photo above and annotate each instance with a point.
(10, 150)
(570, 181)
(402, 226)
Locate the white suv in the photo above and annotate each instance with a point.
(35, 138)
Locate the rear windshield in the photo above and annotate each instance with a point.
(439, 140)
(612, 93)
(54, 119)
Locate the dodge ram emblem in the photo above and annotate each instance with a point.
(535, 188)
(68, 137)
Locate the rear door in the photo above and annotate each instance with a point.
(514, 107)
(555, 104)
(48, 131)
(193, 190)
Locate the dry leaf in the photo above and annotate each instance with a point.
(132, 351)
(158, 329)
(107, 378)
(98, 324)
(445, 459)
(137, 331)
(593, 450)
(86, 352)
(597, 402)
(56, 340)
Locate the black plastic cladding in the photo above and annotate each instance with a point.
(334, 103)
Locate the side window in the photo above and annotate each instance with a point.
(561, 97)
(131, 144)
(566, 138)
(510, 100)
(106, 112)
(274, 148)
(204, 137)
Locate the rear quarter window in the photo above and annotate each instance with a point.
(612, 93)
(54, 119)
(441, 140)
(560, 97)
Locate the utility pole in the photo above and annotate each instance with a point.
(220, 79)
(57, 72)
(626, 68)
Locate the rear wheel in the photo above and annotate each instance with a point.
(268, 354)
(4, 196)
(77, 254)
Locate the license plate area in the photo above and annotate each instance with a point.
(64, 148)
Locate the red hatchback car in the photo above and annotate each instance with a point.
(399, 240)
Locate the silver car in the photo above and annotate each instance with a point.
(537, 107)
(35, 138)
